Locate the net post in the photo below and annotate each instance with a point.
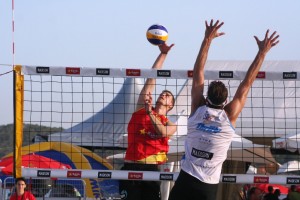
(18, 119)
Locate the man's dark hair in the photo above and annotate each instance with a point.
(217, 93)
(270, 188)
(277, 192)
(20, 179)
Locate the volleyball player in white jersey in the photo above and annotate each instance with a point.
(212, 122)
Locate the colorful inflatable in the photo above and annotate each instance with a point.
(78, 158)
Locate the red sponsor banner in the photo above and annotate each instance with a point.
(133, 72)
(261, 75)
(167, 170)
(74, 174)
(72, 70)
(135, 175)
(190, 73)
(261, 179)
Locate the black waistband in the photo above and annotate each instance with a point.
(140, 167)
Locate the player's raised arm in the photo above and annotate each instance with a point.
(234, 108)
(150, 82)
(211, 32)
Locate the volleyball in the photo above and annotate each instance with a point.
(157, 34)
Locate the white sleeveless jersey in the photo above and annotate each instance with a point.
(209, 137)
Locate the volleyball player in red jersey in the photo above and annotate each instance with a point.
(148, 132)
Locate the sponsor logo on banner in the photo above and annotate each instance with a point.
(261, 75)
(292, 180)
(201, 154)
(133, 72)
(43, 70)
(104, 174)
(43, 173)
(225, 74)
(190, 73)
(72, 70)
(229, 179)
(163, 73)
(74, 174)
(102, 71)
(166, 177)
(289, 75)
(135, 175)
(261, 179)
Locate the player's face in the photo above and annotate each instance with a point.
(165, 98)
(21, 185)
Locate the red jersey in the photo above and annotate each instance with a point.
(26, 196)
(144, 144)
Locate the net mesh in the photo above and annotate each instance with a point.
(92, 111)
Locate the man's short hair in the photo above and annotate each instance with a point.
(270, 188)
(217, 93)
(173, 98)
(20, 179)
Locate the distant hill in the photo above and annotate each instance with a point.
(29, 132)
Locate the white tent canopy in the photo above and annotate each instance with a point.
(290, 142)
(290, 166)
(107, 127)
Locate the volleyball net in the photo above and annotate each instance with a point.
(90, 108)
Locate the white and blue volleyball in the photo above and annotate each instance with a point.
(157, 34)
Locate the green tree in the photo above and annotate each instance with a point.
(29, 132)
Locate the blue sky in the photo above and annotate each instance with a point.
(111, 33)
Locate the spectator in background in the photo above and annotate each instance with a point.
(270, 195)
(293, 194)
(277, 194)
(20, 193)
(254, 194)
